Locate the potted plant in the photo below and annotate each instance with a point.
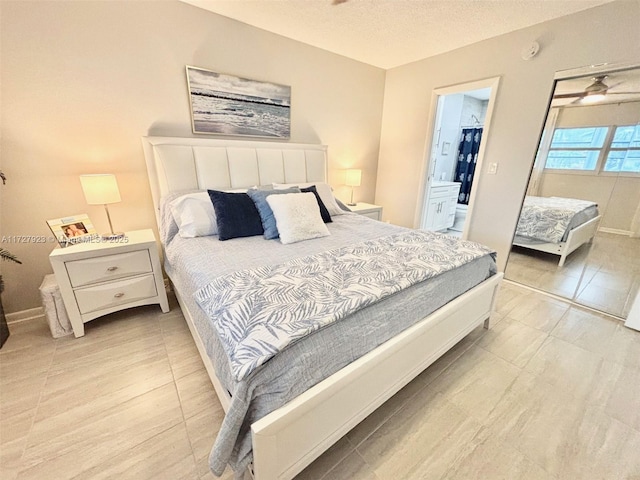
(8, 256)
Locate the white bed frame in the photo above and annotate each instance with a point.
(577, 237)
(290, 438)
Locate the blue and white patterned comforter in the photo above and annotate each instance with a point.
(192, 263)
(549, 218)
(259, 312)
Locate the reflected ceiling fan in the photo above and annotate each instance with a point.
(594, 92)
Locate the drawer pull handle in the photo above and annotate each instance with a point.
(112, 269)
(118, 295)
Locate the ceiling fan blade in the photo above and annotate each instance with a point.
(623, 93)
(569, 95)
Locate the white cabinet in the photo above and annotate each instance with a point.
(441, 206)
(102, 276)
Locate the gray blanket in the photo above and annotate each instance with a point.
(259, 312)
(193, 263)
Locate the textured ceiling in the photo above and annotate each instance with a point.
(389, 33)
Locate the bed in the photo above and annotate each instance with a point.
(556, 225)
(310, 414)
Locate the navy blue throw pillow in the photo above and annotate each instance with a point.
(259, 197)
(236, 215)
(324, 213)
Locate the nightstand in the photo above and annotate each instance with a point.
(367, 209)
(104, 276)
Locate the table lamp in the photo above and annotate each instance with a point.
(102, 189)
(353, 179)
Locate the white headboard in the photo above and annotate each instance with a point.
(175, 163)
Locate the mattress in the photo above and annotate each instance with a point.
(192, 263)
(550, 219)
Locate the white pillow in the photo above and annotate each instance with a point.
(324, 190)
(297, 217)
(194, 215)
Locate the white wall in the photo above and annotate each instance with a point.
(82, 82)
(596, 115)
(473, 107)
(608, 33)
(445, 157)
(617, 197)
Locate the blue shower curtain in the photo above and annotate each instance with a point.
(467, 158)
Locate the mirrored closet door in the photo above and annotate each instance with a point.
(578, 235)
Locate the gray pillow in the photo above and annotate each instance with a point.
(259, 197)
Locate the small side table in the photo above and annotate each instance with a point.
(104, 276)
(368, 210)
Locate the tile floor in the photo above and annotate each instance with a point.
(611, 272)
(550, 392)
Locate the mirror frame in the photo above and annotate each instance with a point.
(558, 76)
(590, 70)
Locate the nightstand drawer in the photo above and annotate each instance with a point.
(108, 267)
(110, 294)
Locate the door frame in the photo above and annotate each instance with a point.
(426, 176)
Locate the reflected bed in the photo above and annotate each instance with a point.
(556, 225)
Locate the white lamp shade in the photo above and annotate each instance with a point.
(353, 177)
(100, 189)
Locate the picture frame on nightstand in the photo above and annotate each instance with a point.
(73, 229)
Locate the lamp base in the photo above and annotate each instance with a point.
(351, 204)
(112, 236)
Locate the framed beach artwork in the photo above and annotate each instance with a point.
(228, 105)
(73, 229)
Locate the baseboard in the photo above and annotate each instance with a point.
(24, 315)
(615, 231)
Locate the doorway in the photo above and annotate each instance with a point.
(460, 119)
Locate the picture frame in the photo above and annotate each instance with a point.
(73, 229)
(223, 104)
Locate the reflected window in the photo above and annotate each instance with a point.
(581, 148)
(576, 148)
(624, 154)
